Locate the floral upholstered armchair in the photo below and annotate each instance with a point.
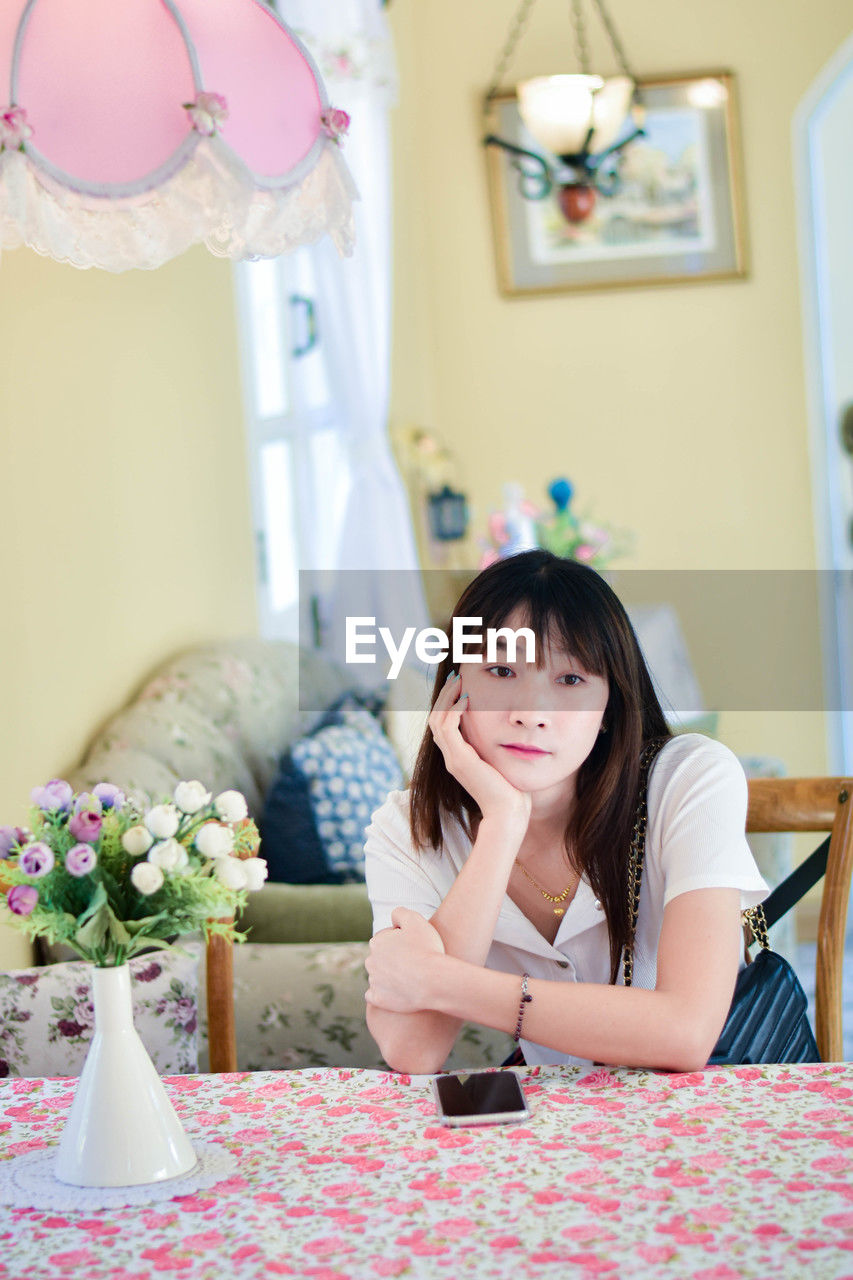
(225, 713)
(47, 1018)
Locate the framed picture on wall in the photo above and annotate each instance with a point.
(677, 217)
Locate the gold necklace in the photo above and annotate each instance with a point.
(551, 897)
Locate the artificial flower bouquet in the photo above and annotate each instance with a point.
(107, 877)
(522, 526)
(577, 537)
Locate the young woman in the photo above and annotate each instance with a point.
(502, 872)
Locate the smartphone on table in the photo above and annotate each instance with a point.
(479, 1097)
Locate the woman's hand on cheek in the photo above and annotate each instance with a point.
(398, 961)
(487, 787)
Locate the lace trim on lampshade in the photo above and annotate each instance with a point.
(213, 197)
(278, 221)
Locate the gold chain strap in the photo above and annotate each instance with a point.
(753, 917)
(756, 922)
(637, 855)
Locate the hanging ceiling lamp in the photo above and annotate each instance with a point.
(136, 128)
(581, 122)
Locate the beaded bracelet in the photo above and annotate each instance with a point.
(526, 998)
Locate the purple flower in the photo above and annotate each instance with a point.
(36, 860)
(8, 840)
(21, 899)
(149, 973)
(111, 797)
(85, 825)
(84, 1013)
(56, 794)
(87, 801)
(185, 1012)
(66, 1027)
(335, 123)
(80, 859)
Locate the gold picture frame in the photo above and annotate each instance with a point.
(679, 216)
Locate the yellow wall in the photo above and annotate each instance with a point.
(678, 412)
(125, 514)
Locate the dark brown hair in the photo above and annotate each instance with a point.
(570, 606)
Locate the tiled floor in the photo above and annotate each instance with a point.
(805, 966)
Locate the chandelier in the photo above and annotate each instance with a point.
(582, 122)
(136, 128)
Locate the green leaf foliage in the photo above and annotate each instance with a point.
(102, 916)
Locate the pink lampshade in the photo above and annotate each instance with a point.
(134, 128)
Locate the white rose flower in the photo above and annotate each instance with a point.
(231, 806)
(191, 796)
(137, 840)
(256, 873)
(168, 855)
(162, 821)
(146, 878)
(229, 871)
(214, 841)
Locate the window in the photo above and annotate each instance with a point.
(298, 465)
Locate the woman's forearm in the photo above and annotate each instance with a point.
(467, 917)
(615, 1025)
(465, 922)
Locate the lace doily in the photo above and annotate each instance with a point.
(27, 1181)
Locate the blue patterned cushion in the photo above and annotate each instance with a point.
(328, 785)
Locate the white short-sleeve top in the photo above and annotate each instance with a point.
(697, 799)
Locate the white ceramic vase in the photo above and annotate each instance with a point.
(122, 1129)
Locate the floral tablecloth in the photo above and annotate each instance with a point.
(717, 1175)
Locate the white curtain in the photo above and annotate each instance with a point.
(352, 45)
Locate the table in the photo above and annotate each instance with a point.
(719, 1175)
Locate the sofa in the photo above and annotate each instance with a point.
(225, 713)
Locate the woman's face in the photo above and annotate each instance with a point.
(536, 726)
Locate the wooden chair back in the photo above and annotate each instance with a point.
(221, 1033)
(817, 804)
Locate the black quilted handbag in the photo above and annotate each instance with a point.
(767, 1021)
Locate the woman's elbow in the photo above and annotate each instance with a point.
(692, 1046)
(401, 1051)
(687, 1062)
(413, 1064)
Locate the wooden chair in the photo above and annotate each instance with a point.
(817, 804)
(775, 804)
(221, 1034)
